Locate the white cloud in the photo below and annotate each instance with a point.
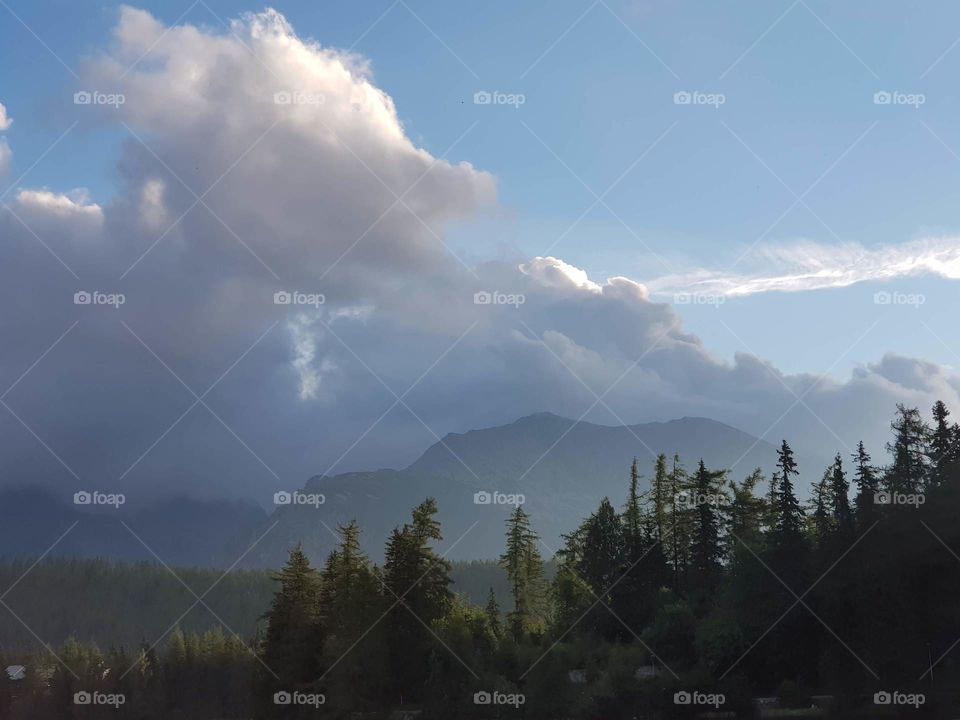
(5, 120)
(298, 190)
(804, 266)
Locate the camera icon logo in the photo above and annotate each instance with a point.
(682, 98)
(482, 698)
(482, 298)
(82, 498)
(881, 498)
(682, 698)
(482, 98)
(282, 498)
(882, 97)
(82, 98)
(82, 298)
(482, 498)
(282, 98)
(82, 698)
(882, 698)
(282, 698)
(282, 297)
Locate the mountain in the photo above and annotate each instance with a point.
(562, 467)
(180, 531)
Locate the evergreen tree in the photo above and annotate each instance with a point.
(492, 611)
(840, 499)
(821, 521)
(634, 529)
(706, 551)
(417, 590)
(908, 473)
(788, 521)
(661, 491)
(940, 452)
(678, 520)
(602, 563)
(350, 604)
(867, 480)
(291, 651)
(524, 567)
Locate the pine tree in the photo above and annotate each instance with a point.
(941, 449)
(867, 480)
(706, 551)
(525, 572)
(908, 473)
(633, 518)
(821, 521)
(294, 633)
(840, 499)
(789, 514)
(492, 611)
(787, 541)
(417, 589)
(350, 605)
(602, 563)
(678, 521)
(660, 488)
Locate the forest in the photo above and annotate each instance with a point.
(696, 594)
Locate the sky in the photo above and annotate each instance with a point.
(703, 208)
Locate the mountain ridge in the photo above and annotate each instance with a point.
(562, 466)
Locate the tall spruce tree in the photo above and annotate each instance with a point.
(416, 584)
(525, 572)
(294, 635)
(908, 472)
(940, 453)
(821, 519)
(840, 499)
(867, 479)
(602, 564)
(706, 550)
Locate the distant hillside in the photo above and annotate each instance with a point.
(562, 467)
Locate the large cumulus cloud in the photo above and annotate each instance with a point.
(258, 162)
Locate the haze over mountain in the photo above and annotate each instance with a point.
(562, 468)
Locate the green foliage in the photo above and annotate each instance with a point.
(732, 593)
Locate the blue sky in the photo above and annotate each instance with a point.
(598, 81)
(797, 217)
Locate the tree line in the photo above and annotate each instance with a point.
(696, 584)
